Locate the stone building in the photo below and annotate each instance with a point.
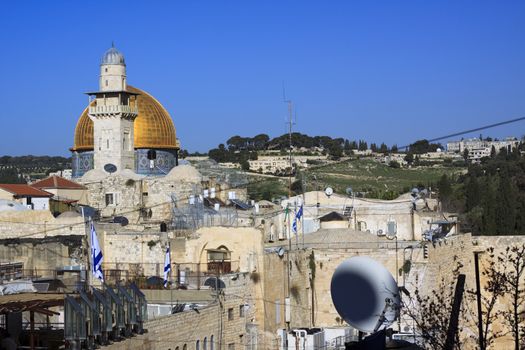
(409, 217)
(123, 127)
(29, 196)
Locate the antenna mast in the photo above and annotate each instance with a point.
(290, 124)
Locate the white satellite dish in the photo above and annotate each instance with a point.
(280, 252)
(365, 294)
(329, 191)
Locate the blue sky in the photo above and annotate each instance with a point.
(392, 71)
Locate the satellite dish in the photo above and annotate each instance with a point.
(280, 252)
(329, 191)
(365, 294)
(110, 168)
(349, 191)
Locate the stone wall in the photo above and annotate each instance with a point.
(229, 321)
(41, 257)
(38, 224)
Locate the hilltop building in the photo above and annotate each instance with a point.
(123, 127)
(478, 148)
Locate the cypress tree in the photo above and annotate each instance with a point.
(505, 205)
(472, 193)
(489, 208)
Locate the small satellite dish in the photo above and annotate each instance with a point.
(349, 191)
(280, 252)
(110, 168)
(329, 191)
(365, 294)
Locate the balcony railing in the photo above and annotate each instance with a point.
(113, 109)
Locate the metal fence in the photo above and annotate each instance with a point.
(192, 276)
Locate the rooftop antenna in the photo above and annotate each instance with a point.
(290, 124)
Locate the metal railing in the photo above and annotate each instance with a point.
(192, 276)
(113, 109)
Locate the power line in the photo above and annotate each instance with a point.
(472, 130)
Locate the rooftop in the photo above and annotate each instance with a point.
(23, 190)
(56, 182)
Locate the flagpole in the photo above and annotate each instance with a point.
(302, 218)
(295, 220)
(88, 249)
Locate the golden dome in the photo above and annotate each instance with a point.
(153, 126)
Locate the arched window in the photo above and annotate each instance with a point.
(205, 344)
(198, 345)
(212, 344)
(185, 347)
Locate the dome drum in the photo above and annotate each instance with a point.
(153, 129)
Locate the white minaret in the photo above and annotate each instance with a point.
(113, 114)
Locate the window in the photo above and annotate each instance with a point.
(126, 145)
(231, 346)
(106, 83)
(212, 345)
(241, 310)
(205, 344)
(107, 143)
(230, 314)
(198, 345)
(184, 347)
(106, 70)
(110, 200)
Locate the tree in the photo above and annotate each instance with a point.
(465, 154)
(409, 158)
(489, 207)
(394, 164)
(183, 153)
(494, 274)
(514, 258)
(236, 143)
(297, 187)
(394, 149)
(445, 191)
(472, 193)
(260, 142)
(245, 165)
(383, 148)
(373, 147)
(432, 312)
(10, 176)
(505, 205)
(493, 152)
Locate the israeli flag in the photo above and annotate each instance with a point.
(96, 255)
(298, 216)
(167, 266)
